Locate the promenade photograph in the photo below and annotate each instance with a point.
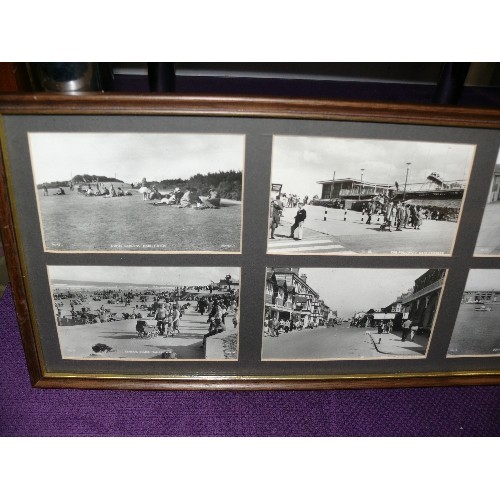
(318, 314)
(476, 331)
(138, 192)
(488, 240)
(146, 313)
(366, 196)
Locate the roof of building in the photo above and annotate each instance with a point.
(357, 181)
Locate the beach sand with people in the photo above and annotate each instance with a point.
(76, 341)
(119, 333)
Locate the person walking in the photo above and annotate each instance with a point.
(400, 215)
(300, 217)
(413, 331)
(372, 208)
(161, 318)
(406, 329)
(275, 215)
(418, 218)
(176, 317)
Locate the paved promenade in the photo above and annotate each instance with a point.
(341, 342)
(76, 341)
(354, 236)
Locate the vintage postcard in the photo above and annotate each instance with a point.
(146, 313)
(488, 240)
(318, 314)
(365, 196)
(476, 331)
(139, 192)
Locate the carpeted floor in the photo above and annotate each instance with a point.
(24, 411)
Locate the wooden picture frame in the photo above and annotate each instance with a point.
(39, 132)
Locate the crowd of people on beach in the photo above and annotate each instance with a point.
(217, 308)
(164, 308)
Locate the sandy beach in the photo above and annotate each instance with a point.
(76, 341)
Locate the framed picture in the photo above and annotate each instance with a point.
(180, 242)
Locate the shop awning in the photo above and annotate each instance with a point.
(384, 315)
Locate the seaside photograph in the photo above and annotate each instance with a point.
(488, 240)
(139, 192)
(318, 314)
(476, 331)
(146, 313)
(365, 196)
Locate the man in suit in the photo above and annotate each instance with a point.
(300, 217)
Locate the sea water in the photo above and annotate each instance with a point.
(476, 332)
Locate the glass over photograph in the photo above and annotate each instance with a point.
(136, 192)
(488, 240)
(146, 313)
(363, 196)
(476, 331)
(326, 314)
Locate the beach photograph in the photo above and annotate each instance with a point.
(318, 314)
(139, 192)
(146, 313)
(366, 197)
(488, 240)
(476, 331)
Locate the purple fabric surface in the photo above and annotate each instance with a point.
(24, 411)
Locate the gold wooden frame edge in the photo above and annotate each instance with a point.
(265, 382)
(224, 106)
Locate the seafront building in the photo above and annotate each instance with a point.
(289, 297)
(485, 296)
(433, 193)
(420, 304)
(352, 188)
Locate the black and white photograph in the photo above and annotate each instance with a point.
(146, 313)
(488, 240)
(476, 331)
(365, 196)
(139, 192)
(318, 314)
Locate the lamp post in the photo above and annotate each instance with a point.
(333, 184)
(360, 186)
(406, 180)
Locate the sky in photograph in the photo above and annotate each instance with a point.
(176, 276)
(299, 162)
(483, 279)
(349, 290)
(130, 157)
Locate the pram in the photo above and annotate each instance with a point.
(144, 330)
